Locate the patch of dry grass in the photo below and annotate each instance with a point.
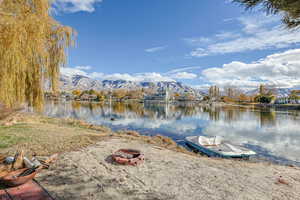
(44, 136)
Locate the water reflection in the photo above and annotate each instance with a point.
(274, 134)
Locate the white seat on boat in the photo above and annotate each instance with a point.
(210, 141)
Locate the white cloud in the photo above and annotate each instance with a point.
(155, 49)
(184, 69)
(170, 76)
(257, 33)
(76, 5)
(184, 75)
(72, 71)
(148, 76)
(83, 67)
(198, 41)
(281, 69)
(199, 52)
(227, 35)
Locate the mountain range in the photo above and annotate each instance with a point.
(69, 82)
(73, 81)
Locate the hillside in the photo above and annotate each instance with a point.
(70, 82)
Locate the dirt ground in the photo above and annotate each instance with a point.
(90, 174)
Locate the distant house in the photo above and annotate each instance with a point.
(88, 97)
(282, 100)
(67, 96)
(161, 95)
(293, 98)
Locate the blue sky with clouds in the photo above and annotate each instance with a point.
(198, 42)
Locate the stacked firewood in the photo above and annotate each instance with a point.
(16, 163)
(19, 161)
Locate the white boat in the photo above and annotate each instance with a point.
(217, 147)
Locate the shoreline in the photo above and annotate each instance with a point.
(200, 103)
(89, 173)
(169, 172)
(74, 134)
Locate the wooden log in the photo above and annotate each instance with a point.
(19, 160)
(4, 170)
(2, 159)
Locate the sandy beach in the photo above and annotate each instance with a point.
(89, 173)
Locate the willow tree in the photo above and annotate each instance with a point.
(289, 8)
(32, 50)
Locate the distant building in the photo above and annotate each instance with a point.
(293, 98)
(67, 96)
(88, 97)
(161, 95)
(187, 96)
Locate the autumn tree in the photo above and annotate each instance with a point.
(120, 94)
(289, 8)
(265, 94)
(32, 49)
(76, 93)
(214, 92)
(135, 94)
(295, 95)
(262, 89)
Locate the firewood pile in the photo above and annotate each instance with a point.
(19, 169)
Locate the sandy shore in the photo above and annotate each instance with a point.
(166, 175)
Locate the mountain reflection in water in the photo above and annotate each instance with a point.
(273, 134)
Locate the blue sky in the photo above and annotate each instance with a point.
(197, 42)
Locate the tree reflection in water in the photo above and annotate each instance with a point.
(275, 131)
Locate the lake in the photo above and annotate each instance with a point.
(273, 134)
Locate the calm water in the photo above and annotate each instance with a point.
(274, 134)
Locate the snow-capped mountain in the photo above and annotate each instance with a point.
(70, 82)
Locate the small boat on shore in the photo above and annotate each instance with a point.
(216, 147)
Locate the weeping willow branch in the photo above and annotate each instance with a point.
(32, 49)
(289, 8)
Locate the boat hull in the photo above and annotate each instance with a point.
(212, 153)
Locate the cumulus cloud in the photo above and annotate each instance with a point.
(184, 69)
(72, 71)
(257, 33)
(184, 75)
(83, 67)
(171, 76)
(76, 5)
(281, 70)
(155, 49)
(148, 76)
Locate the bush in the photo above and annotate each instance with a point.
(263, 99)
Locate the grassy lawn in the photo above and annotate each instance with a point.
(45, 136)
(10, 136)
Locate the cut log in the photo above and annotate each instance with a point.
(2, 159)
(19, 160)
(4, 170)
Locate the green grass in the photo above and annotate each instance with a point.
(10, 136)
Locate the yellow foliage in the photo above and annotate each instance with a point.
(32, 49)
(76, 93)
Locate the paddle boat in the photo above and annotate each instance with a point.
(217, 147)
